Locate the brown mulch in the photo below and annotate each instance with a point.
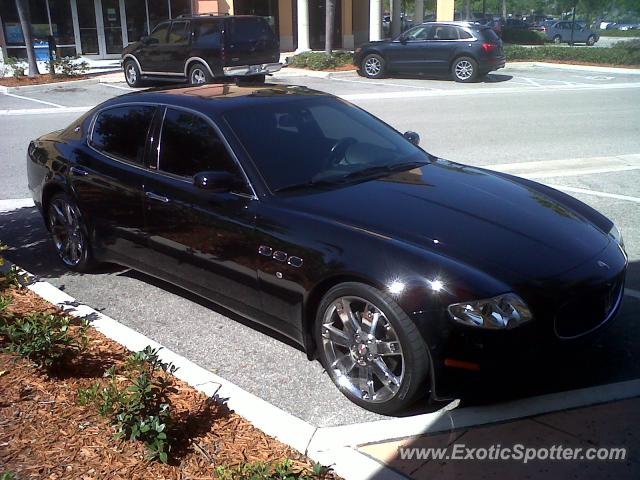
(39, 80)
(44, 433)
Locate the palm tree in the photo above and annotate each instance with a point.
(25, 22)
(330, 15)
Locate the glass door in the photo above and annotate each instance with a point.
(88, 27)
(112, 27)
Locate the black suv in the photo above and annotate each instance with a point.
(463, 49)
(200, 49)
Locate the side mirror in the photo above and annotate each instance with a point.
(145, 40)
(216, 182)
(402, 39)
(413, 137)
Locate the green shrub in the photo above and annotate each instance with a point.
(283, 470)
(624, 53)
(68, 67)
(7, 476)
(321, 60)
(521, 36)
(43, 338)
(619, 33)
(138, 406)
(17, 65)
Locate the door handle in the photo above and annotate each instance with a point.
(155, 196)
(78, 172)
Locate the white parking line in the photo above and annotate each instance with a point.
(119, 87)
(33, 100)
(595, 193)
(15, 203)
(44, 111)
(386, 84)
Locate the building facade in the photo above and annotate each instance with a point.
(101, 28)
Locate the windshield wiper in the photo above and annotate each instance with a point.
(375, 170)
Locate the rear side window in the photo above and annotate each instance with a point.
(249, 30)
(122, 132)
(489, 35)
(180, 32)
(189, 145)
(159, 34)
(209, 34)
(464, 34)
(443, 32)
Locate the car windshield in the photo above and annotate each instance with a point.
(311, 141)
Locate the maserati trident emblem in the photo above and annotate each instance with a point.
(603, 264)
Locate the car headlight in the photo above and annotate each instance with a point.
(616, 235)
(501, 312)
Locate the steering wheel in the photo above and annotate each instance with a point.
(337, 152)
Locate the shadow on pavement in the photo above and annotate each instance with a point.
(489, 78)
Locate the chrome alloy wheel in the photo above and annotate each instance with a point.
(132, 75)
(464, 69)
(64, 223)
(198, 76)
(362, 349)
(372, 66)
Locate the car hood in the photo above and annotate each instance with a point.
(491, 222)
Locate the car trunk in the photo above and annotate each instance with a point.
(250, 41)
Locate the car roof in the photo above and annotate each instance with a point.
(458, 23)
(212, 98)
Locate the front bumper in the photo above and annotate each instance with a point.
(246, 70)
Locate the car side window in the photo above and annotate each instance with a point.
(121, 132)
(180, 33)
(159, 34)
(209, 34)
(443, 32)
(463, 34)
(189, 145)
(421, 32)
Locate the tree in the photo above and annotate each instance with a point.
(330, 15)
(25, 22)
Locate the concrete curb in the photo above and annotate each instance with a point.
(44, 86)
(291, 430)
(582, 68)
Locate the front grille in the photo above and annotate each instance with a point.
(584, 314)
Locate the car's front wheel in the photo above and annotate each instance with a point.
(464, 69)
(370, 348)
(591, 41)
(132, 74)
(199, 74)
(557, 39)
(373, 66)
(69, 233)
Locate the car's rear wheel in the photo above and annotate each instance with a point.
(373, 66)
(199, 74)
(591, 41)
(132, 74)
(557, 39)
(370, 348)
(464, 69)
(69, 233)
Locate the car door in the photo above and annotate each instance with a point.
(443, 42)
(153, 55)
(107, 174)
(201, 240)
(178, 45)
(411, 52)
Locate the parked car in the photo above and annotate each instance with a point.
(496, 25)
(560, 32)
(400, 271)
(517, 23)
(201, 49)
(464, 50)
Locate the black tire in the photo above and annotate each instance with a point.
(464, 70)
(199, 74)
(372, 66)
(132, 74)
(256, 78)
(414, 357)
(67, 225)
(557, 39)
(591, 41)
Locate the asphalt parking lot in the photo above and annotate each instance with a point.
(578, 130)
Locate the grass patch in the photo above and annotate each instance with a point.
(625, 53)
(321, 60)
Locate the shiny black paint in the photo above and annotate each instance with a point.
(479, 232)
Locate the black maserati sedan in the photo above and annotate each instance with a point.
(465, 50)
(304, 213)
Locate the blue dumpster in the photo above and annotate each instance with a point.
(42, 51)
